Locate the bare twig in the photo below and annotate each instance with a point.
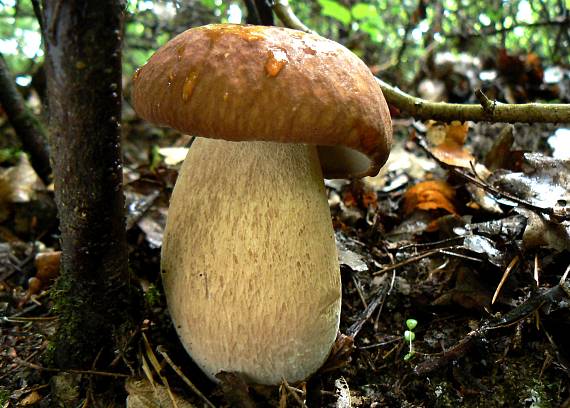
(486, 103)
(414, 259)
(284, 12)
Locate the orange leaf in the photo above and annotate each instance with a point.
(447, 143)
(429, 196)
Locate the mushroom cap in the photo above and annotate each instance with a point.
(243, 83)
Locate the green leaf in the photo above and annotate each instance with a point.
(362, 11)
(411, 323)
(373, 30)
(409, 356)
(211, 4)
(409, 336)
(331, 8)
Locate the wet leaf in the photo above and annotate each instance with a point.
(485, 246)
(542, 232)
(351, 259)
(544, 181)
(507, 229)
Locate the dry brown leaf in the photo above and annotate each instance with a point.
(447, 143)
(143, 394)
(32, 398)
(429, 196)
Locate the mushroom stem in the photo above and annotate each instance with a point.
(249, 261)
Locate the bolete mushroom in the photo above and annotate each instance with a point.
(249, 261)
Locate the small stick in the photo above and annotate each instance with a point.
(68, 370)
(178, 371)
(512, 264)
(359, 290)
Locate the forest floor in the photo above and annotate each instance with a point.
(463, 240)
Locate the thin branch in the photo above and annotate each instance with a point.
(284, 12)
(447, 112)
(502, 112)
(27, 127)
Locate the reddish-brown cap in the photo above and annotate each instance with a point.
(269, 83)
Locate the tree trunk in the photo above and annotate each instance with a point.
(83, 67)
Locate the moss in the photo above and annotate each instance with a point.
(9, 155)
(152, 296)
(4, 396)
(93, 317)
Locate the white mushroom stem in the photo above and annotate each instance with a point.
(249, 260)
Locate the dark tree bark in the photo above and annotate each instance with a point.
(83, 67)
(259, 12)
(27, 127)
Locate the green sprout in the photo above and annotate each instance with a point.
(409, 337)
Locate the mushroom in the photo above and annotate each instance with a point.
(249, 262)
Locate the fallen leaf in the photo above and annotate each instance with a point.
(447, 143)
(342, 393)
(143, 394)
(543, 182)
(32, 398)
(19, 183)
(429, 196)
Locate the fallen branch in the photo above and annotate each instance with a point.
(27, 127)
(489, 111)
